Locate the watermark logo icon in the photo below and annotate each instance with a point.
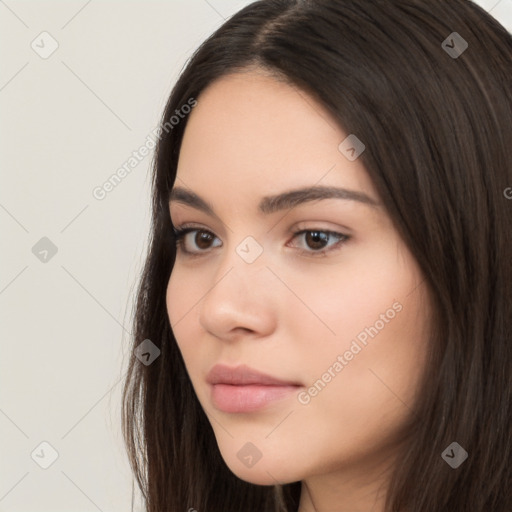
(351, 148)
(147, 352)
(44, 250)
(44, 45)
(454, 455)
(455, 45)
(44, 455)
(249, 455)
(249, 249)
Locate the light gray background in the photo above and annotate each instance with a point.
(68, 122)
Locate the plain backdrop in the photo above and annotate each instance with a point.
(71, 115)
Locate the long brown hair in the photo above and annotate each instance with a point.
(436, 118)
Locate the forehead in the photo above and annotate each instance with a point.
(256, 135)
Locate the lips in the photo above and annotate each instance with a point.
(243, 375)
(243, 389)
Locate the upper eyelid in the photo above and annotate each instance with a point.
(192, 227)
(339, 230)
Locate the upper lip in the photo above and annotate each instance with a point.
(242, 376)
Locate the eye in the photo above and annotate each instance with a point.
(320, 241)
(194, 241)
(201, 239)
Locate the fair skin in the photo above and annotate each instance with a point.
(289, 313)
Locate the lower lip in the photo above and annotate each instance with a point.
(248, 398)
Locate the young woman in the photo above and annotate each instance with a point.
(328, 286)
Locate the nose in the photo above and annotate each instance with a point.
(241, 300)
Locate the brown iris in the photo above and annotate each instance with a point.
(316, 239)
(203, 239)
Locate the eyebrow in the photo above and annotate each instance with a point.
(282, 201)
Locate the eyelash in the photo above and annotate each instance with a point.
(180, 232)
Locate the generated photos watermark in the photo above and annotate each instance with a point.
(100, 192)
(357, 345)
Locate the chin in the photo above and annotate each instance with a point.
(254, 476)
(260, 475)
(252, 466)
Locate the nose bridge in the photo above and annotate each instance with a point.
(240, 294)
(244, 266)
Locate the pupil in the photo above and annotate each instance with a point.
(316, 239)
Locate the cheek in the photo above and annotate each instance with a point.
(184, 292)
(175, 290)
(375, 369)
(180, 298)
(381, 345)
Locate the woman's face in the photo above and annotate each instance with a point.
(318, 293)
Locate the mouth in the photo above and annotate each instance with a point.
(243, 389)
